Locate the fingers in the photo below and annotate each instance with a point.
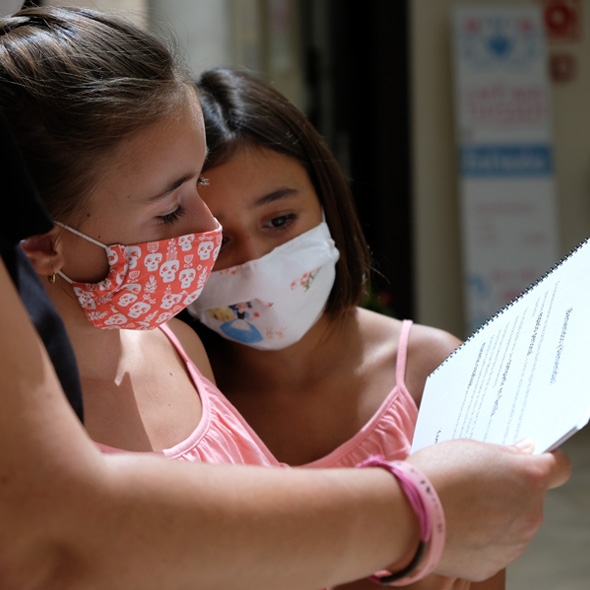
(557, 463)
(493, 497)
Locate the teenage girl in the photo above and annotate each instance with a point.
(323, 381)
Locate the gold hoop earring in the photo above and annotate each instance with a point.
(51, 278)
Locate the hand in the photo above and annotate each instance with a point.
(493, 499)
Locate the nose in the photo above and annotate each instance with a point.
(240, 248)
(248, 248)
(201, 217)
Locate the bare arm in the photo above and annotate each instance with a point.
(73, 518)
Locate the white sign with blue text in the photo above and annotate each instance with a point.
(505, 153)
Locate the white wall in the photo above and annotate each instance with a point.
(436, 223)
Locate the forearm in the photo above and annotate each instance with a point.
(228, 526)
(74, 518)
(202, 526)
(154, 523)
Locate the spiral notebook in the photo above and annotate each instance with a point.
(524, 374)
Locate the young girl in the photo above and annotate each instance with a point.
(324, 382)
(114, 140)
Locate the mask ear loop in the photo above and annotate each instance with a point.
(81, 235)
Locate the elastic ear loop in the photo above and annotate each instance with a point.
(427, 506)
(81, 235)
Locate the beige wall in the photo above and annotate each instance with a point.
(134, 10)
(436, 224)
(261, 35)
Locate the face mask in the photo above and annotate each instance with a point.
(271, 302)
(147, 283)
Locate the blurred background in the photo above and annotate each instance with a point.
(376, 78)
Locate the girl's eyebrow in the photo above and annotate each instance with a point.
(283, 193)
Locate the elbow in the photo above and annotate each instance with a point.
(37, 563)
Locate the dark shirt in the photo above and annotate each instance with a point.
(24, 216)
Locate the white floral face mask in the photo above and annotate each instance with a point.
(271, 302)
(148, 283)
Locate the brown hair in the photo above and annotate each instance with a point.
(239, 109)
(73, 83)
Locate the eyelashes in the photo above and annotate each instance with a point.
(281, 222)
(180, 210)
(174, 216)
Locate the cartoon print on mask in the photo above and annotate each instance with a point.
(285, 292)
(235, 321)
(238, 319)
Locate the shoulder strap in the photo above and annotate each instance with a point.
(402, 352)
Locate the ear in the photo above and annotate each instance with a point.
(42, 253)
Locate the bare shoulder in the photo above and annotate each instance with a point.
(432, 343)
(192, 345)
(379, 326)
(428, 347)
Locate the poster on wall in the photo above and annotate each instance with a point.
(505, 154)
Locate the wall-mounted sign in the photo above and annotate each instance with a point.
(503, 121)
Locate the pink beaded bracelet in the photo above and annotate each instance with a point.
(425, 502)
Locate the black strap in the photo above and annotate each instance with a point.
(28, 217)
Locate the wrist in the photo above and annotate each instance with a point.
(426, 505)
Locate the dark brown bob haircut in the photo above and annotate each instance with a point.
(242, 110)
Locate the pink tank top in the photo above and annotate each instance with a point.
(391, 429)
(223, 436)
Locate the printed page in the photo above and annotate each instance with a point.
(524, 374)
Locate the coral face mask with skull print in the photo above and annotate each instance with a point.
(147, 283)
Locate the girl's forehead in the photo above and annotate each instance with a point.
(152, 162)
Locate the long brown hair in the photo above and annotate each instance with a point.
(73, 83)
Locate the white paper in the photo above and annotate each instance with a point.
(524, 374)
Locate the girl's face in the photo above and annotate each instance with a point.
(262, 199)
(149, 190)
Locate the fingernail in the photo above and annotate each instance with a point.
(526, 444)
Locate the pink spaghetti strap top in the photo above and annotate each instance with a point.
(222, 435)
(391, 429)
